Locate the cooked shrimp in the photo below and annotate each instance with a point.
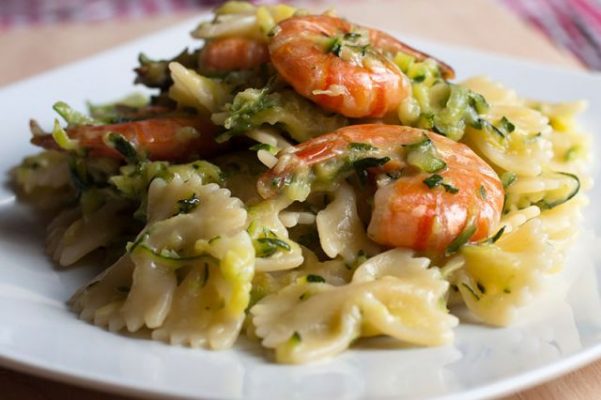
(342, 67)
(329, 61)
(460, 199)
(163, 138)
(233, 53)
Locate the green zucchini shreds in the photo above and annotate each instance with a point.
(569, 189)
(268, 246)
(461, 239)
(124, 147)
(506, 126)
(423, 155)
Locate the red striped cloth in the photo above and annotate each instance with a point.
(572, 24)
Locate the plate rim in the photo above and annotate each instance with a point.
(520, 381)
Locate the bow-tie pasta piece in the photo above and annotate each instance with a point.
(341, 232)
(500, 277)
(274, 250)
(208, 306)
(417, 312)
(311, 319)
(307, 321)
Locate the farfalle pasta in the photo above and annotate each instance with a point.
(308, 182)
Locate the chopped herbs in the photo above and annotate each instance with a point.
(496, 236)
(433, 180)
(124, 147)
(508, 178)
(361, 166)
(506, 126)
(268, 246)
(482, 192)
(461, 239)
(296, 338)
(242, 111)
(436, 180)
(349, 41)
(186, 206)
(335, 47)
(570, 186)
(315, 279)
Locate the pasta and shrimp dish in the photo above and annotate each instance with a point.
(307, 182)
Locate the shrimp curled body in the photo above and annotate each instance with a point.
(165, 138)
(408, 210)
(331, 62)
(233, 53)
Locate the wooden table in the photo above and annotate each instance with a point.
(477, 23)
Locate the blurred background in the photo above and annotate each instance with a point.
(65, 30)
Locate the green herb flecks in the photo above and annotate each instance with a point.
(185, 206)
(124, 147)
(436, 180)
(268, 246)
(506, 126)
(461, 239)
(361, 166)
(493, 239)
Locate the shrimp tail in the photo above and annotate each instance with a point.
(166, 138)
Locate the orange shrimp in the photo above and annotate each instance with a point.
(326, 60)
(342, 67)
(233, 53)
(411, 208)
(160, 138)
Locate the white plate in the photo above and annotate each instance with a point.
(38, 334)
